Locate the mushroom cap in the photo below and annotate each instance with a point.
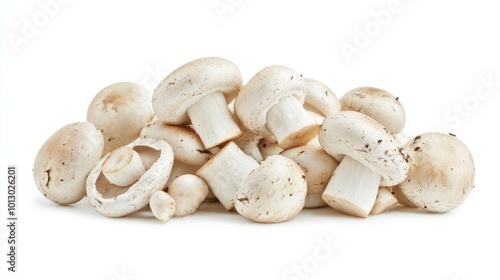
(262, 92)
(120, 111)
(188, 191)
(368, 142)
(320, 98)
(441, 172)
(114, 201)
(191, 82)
(318, 166)
(273, 192)
(377, 104)
(186, 144)
(64, 161)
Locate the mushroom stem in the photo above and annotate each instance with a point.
(385, 200)
(224, 172)
(123, 167)
(290, 123)
(212, 120)
(352, 189)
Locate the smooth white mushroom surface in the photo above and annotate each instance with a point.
(116, 201)
(65, 159)
(120, 111)
(188, 191)
(320, 98)
(441, 172)
(378, 104)
(385, 200)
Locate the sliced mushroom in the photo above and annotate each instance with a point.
(441, 172)
(188, 191)
(274, 192)
(271, 105)
(120, 111)
(196, 91)
(377, 104)
(318, 166)
(115, 201)
(64, 161)
(373, 158)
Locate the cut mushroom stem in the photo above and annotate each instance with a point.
(300, 128)
(123, 167)
(212, 120)
(385, 200)
(352, 189)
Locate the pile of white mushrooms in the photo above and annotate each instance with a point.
(266, 149)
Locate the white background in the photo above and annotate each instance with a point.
(432, 55)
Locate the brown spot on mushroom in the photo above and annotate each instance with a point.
(397, 98)
(114, 101)
(205, 152)
(416, 149)
(451, 134)
(48, 177)
(379, 141)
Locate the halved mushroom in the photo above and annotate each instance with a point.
(196, 92)
(271, 105)
(373, 158)
(274, 192)
(441, 172)
(64, 161)
(112, 200)
(120, 111)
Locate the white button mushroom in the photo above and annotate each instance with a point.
(271, 105)
(115, 201)
(162, 205)
(225, 171)
(377, 104)
(318, 166)
(272, 193)
(373, 158)
(196, 91)
(441, 172)
(188, 191)
(120, 111)
(385, 200)
(64, 161)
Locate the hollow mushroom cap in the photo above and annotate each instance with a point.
(320, 98)
(191, 82)
(64, 161)
(186, 144)
(262, 92)
(120, 111)
(377, 104)
(366, 141)
(441, 172)
(115, 201)
(274, 192)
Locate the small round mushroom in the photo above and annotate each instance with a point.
(188, 191)
(225, 171)
(320, 98)
(318, 166)
(196, 91)
(272, 193)
(441, 172)
(377, 104)
(120, 111)
(116, 201)
(271, 105)
(162, 205)
(64, 161)
(373, 158)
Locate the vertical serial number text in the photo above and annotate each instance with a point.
(11, 218)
